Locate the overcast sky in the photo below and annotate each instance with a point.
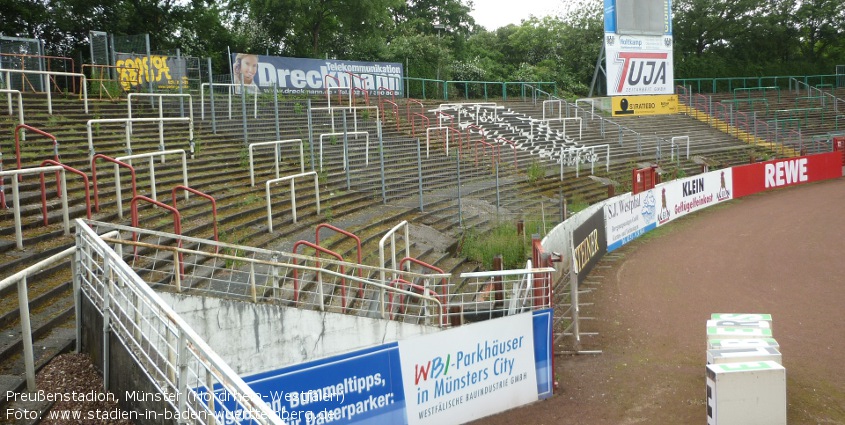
(492, 14)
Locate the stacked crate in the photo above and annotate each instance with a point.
(746, 381)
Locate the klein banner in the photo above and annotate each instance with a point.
(139, 70)
(753, 178)
(315, 76)
(681, 197)
(644, 105)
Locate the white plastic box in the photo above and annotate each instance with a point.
(746, 393)
(721, 344)
(744, 354)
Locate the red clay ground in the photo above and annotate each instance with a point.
(779, 253)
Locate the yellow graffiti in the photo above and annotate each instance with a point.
(134, 71)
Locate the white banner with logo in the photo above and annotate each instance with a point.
(680, 197)
(469, 372)
(638, 65)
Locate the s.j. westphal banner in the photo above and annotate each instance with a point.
(316, 76)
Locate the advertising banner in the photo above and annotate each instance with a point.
(639, 65)
(163, 71)
(681, 197)
(360, 387)
(469, 372)
(451, 376)
(753, 178)
(543, 337)
(314, 76)
(644, 105)
(628, 217)
(589, 244)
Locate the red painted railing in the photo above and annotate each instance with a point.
(177, 222)
(423, 120)
(61, 58)
(319, 249)
(357, 245)
(413, 102)
(59, 189)
(94, 175)
(402, 306)
(408, 260)
(201, 194)
(395, 112)
(43, 133)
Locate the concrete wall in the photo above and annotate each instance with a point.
(254, 338)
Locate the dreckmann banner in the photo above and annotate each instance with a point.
(315, 76)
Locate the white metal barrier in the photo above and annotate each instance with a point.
(127, 122)
(9, 94)
(20, 279)
(354, 110)
(161, 97)
(292, 178)
(391, 234)
(16, 199)
(49, 91)
(231, 92)
(349, 133)
(573, 157)
(193, 379)
(151, 156)
(428, 138)
(553, 102)
(680, 139)
(277, 145)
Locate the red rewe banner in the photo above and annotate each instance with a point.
(753, 178)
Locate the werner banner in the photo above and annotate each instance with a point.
(681, 197)
(315, 76)
(753, 178)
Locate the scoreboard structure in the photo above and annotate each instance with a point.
(638, 47)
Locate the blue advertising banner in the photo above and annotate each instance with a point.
(488, 367)
(543, 337)
(315, 76)
(362, 387)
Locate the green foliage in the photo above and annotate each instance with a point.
(535, 172)
(298, 108)
(578, 203)
(501, 240)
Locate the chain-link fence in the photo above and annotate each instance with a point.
(22, 54)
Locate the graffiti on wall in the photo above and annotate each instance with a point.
(164, 72)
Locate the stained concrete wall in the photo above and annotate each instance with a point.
(254, 338)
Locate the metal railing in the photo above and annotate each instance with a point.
(278, 156)
(8, 73)
(127, 121)
(175, 359)
(16, 198)
(152, 155)
(292, 179)
(229, 98)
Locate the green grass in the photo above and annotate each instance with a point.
(535, 172)
(501, 240)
